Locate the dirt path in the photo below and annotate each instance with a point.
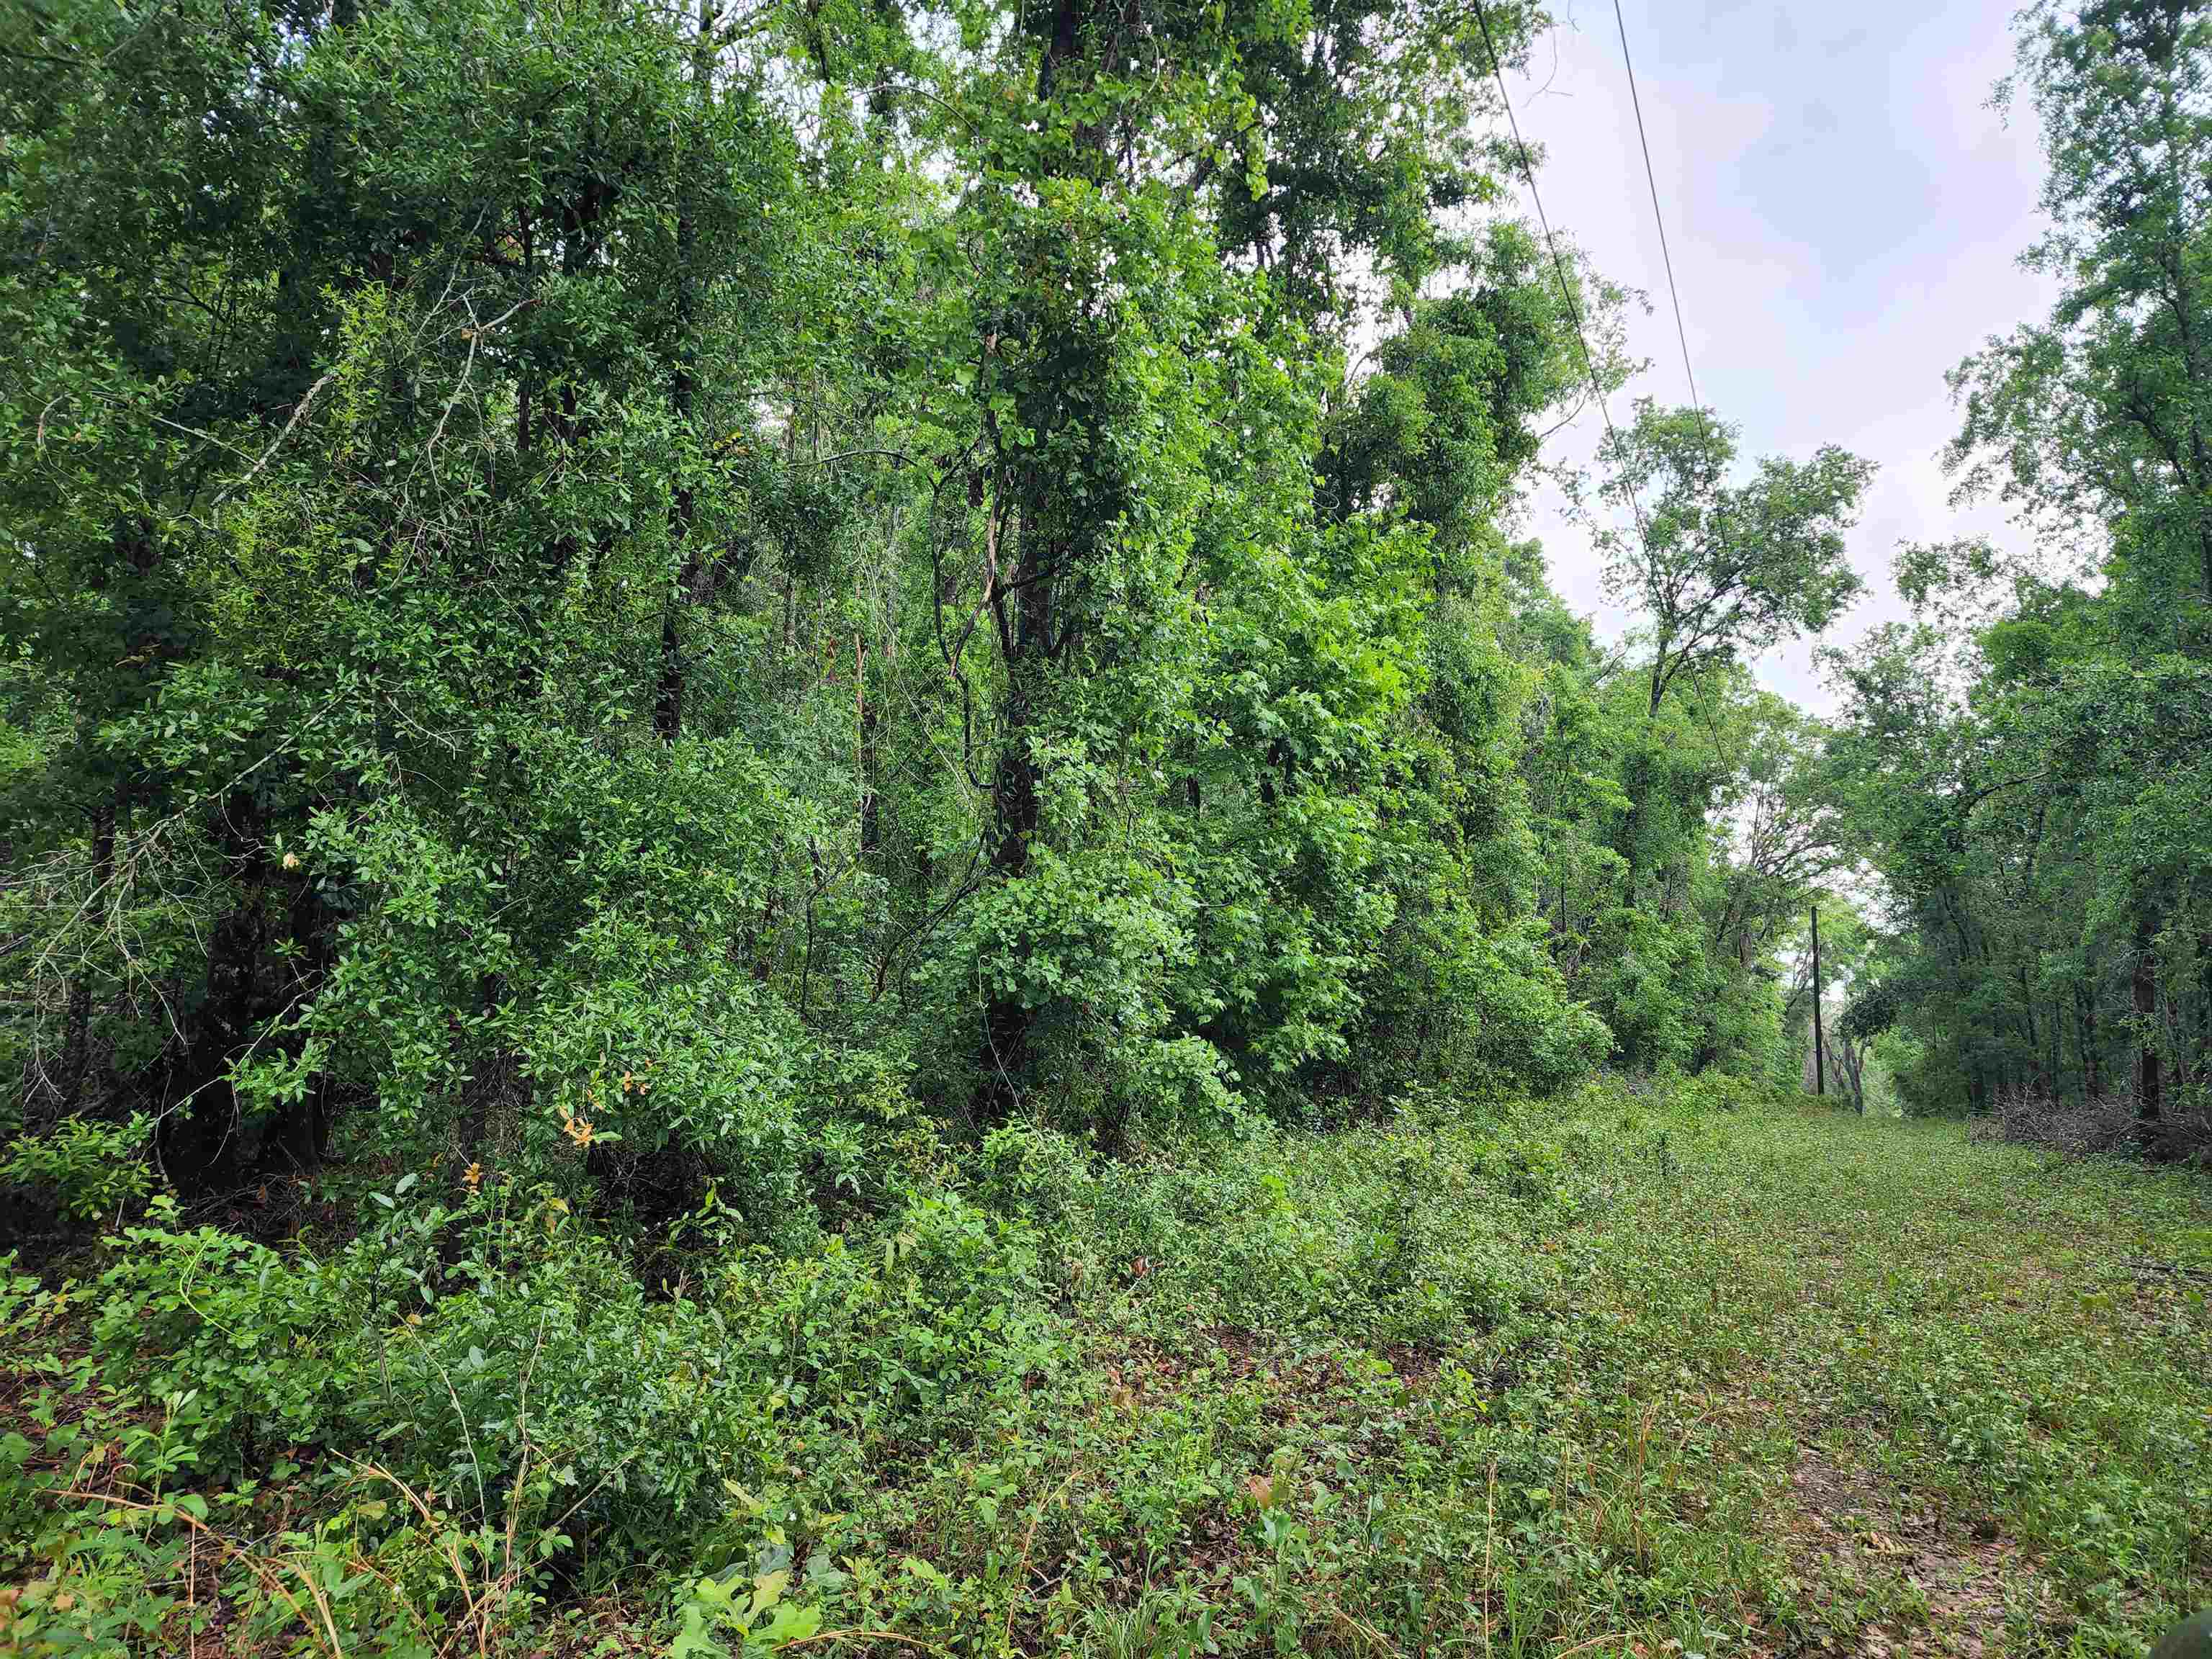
(1968, 1585)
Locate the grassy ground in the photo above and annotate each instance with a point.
(1633, 1376)
(1624, 1375)
(1867, 1385)
(1762, 1380)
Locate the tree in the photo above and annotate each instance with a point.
(1722, 571)
(506, 585)
(1849, 947)
(2096, 420)
(2037, 797)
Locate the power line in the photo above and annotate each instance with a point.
(1558, 265)
(1657, 217)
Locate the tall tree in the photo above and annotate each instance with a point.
(1722, 570)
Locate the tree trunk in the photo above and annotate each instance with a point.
(2204, 1006)
(1819, 1033)
(1025, 602)
(668, 692)
(2148, 1082)
(1016, 809)
(76, 1042)
(205, 1137)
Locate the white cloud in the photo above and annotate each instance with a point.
(1845, 214)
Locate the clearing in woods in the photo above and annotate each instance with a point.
(1869, 1387)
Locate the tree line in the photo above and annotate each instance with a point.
(687, 588)
(2028, 763)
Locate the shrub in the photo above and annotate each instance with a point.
(1397, 1235)
(89, 1170)
(498, 1358)
(915, 1332)
(498, 1364)
(1719, 1092)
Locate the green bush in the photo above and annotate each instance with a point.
(917, 1330)
(89, 1169)
(1385, 1236)
(503, 1361)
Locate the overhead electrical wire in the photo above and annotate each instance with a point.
(1558, 265)
(1658, 218)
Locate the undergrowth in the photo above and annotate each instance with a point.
(1533, 1380)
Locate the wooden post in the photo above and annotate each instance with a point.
(1820, 1036)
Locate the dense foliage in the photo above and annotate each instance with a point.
(628, 600)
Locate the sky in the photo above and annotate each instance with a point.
(1845, 213)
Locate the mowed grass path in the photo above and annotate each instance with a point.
(1863, 1385)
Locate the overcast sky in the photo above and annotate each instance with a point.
(1845, 213)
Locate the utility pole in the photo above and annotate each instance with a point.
(1820, 1037)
